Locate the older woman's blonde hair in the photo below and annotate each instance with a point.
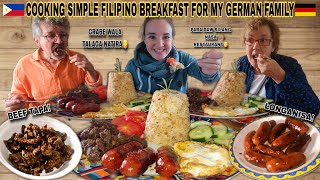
(256, 23)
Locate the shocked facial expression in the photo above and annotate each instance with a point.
(53, 41)
(258, 42)
(158, 38)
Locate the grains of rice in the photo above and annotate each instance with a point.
(230, 89)
(120, 88)
(168, 119)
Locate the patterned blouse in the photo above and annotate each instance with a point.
(293, 92)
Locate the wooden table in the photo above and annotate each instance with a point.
(77, 126)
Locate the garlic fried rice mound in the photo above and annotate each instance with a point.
(168, 120)
(120, 88)
(230, 89)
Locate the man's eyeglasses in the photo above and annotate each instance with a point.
(262, 42)
(53, 38)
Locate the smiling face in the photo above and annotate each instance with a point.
(158, 38)
(54, 50)
(263, 34)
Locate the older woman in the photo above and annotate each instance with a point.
(272, 75)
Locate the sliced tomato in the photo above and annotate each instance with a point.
(171, 60)
(215, 122)
(138, 117)
(130, 128)
(101, 91)
(246, 120)
(138, 120)
(118, 120)
(136, 113)
(205, 93)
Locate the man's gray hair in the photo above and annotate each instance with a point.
(36, 21)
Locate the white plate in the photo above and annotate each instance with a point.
(201, 114)
(311, 153)
(10, 127)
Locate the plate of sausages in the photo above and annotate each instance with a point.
(276, 147)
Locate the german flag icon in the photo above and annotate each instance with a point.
(305, 10)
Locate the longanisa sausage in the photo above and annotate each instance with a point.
(166, 162)
(276, 131)
(262, 133)
(113, 158)
(81, 108)
(272, 123)
(137, 162)
(285, 139)
(300, 144)
(256, 158)
(248, 144)
(286, 162)
(268, 150)
(297, 125)
(61, 103)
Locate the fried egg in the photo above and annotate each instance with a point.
(228, 111)
(203, 160)
(107, 112)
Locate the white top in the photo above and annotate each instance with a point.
(258, 85)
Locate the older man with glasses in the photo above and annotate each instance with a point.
(272, 75)
(52, 69)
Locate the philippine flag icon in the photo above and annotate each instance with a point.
(13, 9)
